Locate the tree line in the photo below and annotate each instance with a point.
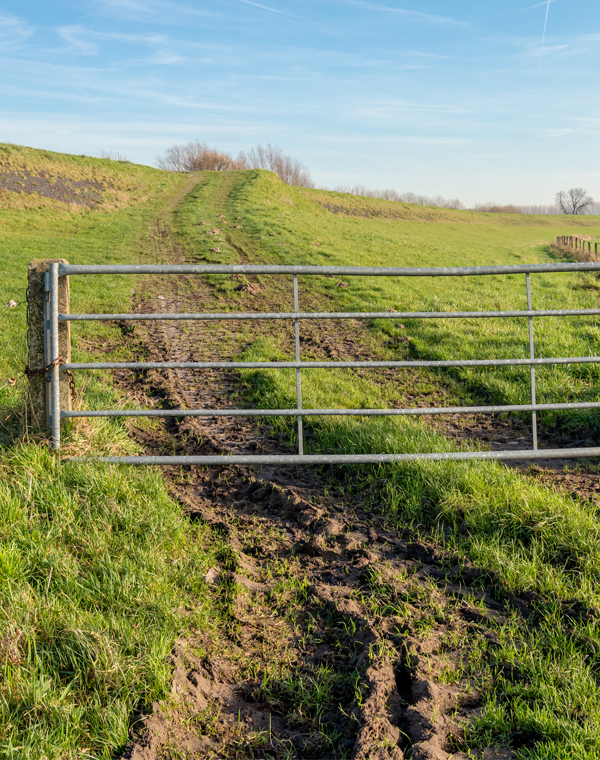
(199, 156)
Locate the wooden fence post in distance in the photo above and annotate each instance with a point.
(39, 390)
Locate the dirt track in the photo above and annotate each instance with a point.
(340, 636)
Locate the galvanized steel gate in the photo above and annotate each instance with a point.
(58, 366)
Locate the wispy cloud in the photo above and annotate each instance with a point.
(162, 58)
(323, 28)
(267, 8)
(544, 33)
(415, 105)
(13, 31)
(537, 5)
(75, 36)
(415, 15)
(167, 51)
(167, 12)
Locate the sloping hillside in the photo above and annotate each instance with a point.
(416, 610)
(36, 179)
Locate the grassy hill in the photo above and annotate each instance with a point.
(94, 561)
(294, 225)
(531, 539)
(92, 565)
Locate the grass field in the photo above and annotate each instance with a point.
(94, 562)
(528, 537)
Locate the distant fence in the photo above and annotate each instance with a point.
(577, 242)
(49, 312)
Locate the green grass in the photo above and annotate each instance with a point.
(80, 235)
(94, 562)
(434, 237)
(541, 677)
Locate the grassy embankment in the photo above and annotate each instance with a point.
(541, 674)
(94, 563)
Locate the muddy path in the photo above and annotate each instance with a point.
(338, 635)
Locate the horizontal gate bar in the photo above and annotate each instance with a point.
(330, 412)
(72, 269)
(333, 365)
(343, 458)
(335, 315)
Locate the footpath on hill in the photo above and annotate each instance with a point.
(340, 635)
(428, 610)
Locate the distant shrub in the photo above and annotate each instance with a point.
(197, 156)
(113, 155)
(272, 158)
(540, 210)
(437, 201)
(496, 208)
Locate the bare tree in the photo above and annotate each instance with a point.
(272, 158)
(113, 155)
(197, 156)
(575, 201)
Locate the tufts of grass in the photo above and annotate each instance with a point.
(94, 563)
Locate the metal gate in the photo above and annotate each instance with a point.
(57, 365)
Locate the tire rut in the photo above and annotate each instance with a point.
(339, 636)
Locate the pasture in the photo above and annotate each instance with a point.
(97, 561)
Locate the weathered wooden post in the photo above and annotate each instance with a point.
(39, 357)
(596, 249)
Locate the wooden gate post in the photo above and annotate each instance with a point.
(37, 305)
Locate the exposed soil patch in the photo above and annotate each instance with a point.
(343, 638)
(80, 192)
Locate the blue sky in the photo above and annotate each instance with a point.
(457, 98)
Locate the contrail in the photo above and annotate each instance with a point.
(544, 34)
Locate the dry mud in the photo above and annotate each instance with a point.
(80, 192)
(341, 636)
